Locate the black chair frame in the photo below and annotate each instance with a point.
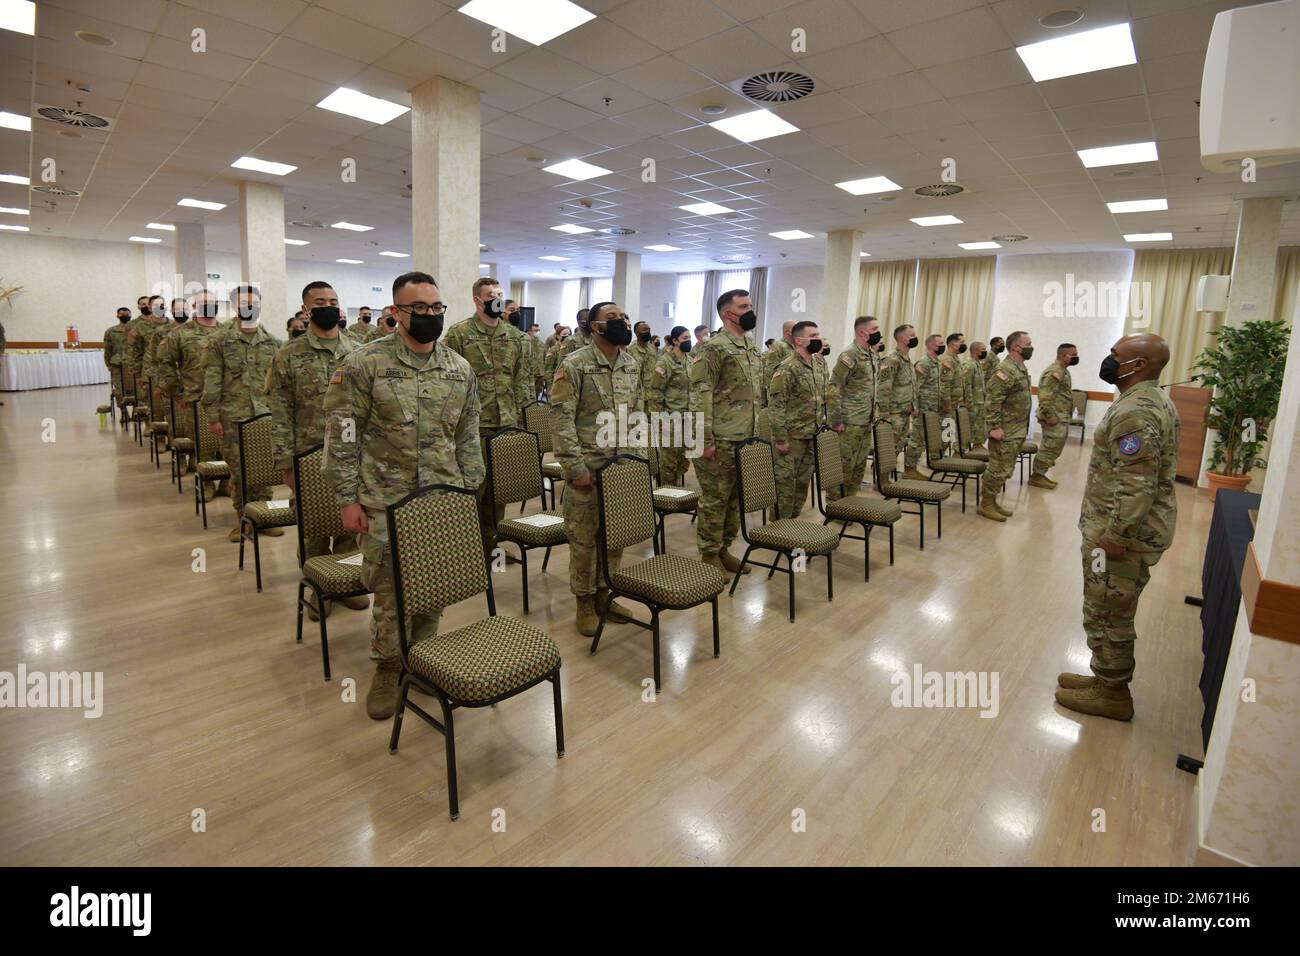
(865, 537)
(496, 536)
(920, 510)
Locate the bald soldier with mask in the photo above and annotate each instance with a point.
(1007, 415)
(1127, 521)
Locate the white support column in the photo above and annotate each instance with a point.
(261, 245)
(191, 258)
(501, 272)
(627, 284)
(445, 188)
(840, 283)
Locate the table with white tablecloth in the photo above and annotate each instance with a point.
(24, 369)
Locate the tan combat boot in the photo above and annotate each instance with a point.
(616, 610)
(234, 534)
(911, 474)
(586, 616)
(1100, 700)
(1075, 681)
(988, 509)
(1006, 512)
(1041, 481)
(731, 563)
(359, 602)
(381, 699)
(273, 532)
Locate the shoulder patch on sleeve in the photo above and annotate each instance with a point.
(1131, 443)
(336, 377)
(659, 370)
(1002, 375)
(559, 375)
(845, 359)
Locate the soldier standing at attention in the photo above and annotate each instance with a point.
(1129, 513)
(235, 365)
(896, 390)
(180, 368)
(499, 354)
(993, 357)
(780, 350)
(951, 390)
(115, 350)
(536, 361)
(852, 402)
(1055, 405)
(365, 331)
(726, 390)
(155, 312)
(400, 414)
(927, 400)
(797, 408)
(591, 384)
(973, 392)
(579, 339)
(643, 351)
(1007, 403)
(670, 391)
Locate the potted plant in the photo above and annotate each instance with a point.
(1244, 368)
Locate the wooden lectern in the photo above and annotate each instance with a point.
(1193, 406)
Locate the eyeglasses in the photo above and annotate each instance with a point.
(422, 308)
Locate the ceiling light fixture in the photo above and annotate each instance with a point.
(1148, 236)
(864, 255)
(349, 262)
(18, 16)
(755, 125)
(705, 209)
(572, 229)
(200, 204)
(1115, 155)
(9, 228)
(1102, 49)
(351, 226)
(14, 121)
(663, 247)
(14, 211)
(788, 234)
(873, 184)
(1138, 205)
(142, 239)
(362, 106)
(296, 242)
(262, 166)
(576, 169)
(535, 21)
(555, 258)
(937, 221)
(15, 179)
(161, 226)
(396, 255)
(980, 245)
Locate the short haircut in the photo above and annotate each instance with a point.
(557, 326)
(995, 340)
(1064, 346)
(900, 329)
(412, 278)
(139, 297)
(124, 308)
(246, 290)
(862, 320)
(311, 287)
(510, 302)
(483, 283)
(768, 342)
(174, 301)
(1014, 339)
(931, 337)
(954, 336)
(292, 319)
(800, 326)
(158, 297)
(582, 312)
(640, 322)
(725, 299)
(365, 308)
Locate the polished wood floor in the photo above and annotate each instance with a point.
(210, 705)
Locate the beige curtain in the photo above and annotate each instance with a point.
(584, 294)
(955, 295)
(517, 292)
(709, 301)
(757, 293)
(1286, 298)
(888, 292)
(1162, 299)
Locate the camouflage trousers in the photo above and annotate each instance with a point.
(1050, 443)
(915, 441)
(793, 472)
(1110, 602)
(902, 425)
(672, 466)
(1002, 461)
(719, 520)
(582, 524)
(115, 375)
(855, 449)
(377, 575)
(978, 425)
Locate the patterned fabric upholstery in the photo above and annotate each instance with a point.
(1029, 447)
(933, 429)
(513, 529)
(212, 470)
(960, 466)
(976, 454)
(103, 409)
(320, 514)
(439, 550)
(262, 515)
(332, 577)
(159, 428)
(676, 504)
(553, 470)
(486, 659)
(670, 580)
(790, 533)
(537, 419)
(830, 467)
(183, 444)
(964, 437)
(515, 470)
(625, 502)
(860, 508)
(257, 454)
(209, 444)
(757, 477)
(885, 459)
(141, 413)
(916, 490)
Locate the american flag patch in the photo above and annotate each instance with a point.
(336, 377)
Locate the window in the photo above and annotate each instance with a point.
(569, 305)
(689, 301)
(602, 290)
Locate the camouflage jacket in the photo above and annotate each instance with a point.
(365, 334)
(778, 353)
(571, 344)
(951, 382)
(1130, 495)
(896, 385)
(1055, 395)
(973, 388)
(796, 405)
(589, 395)
(669, 388)
(152, 339)
(927, 383)
(134, 361)
(115, 344)
(396, 421)
(295, 390)
(501, 364)
(726, 384)
(989, 365)
(235, 364)
(852, 399)
(645, 356)
(1007, 398)
(180, 360)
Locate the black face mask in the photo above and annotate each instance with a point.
(1074, 360)
(912, 342)
(124, 318)
(643, 337)
(494, 308)
(616, 332)
(962, 350)
(1027, 352)
(684, 346)
(584, 325)
(390, 322)
(425, 328)
(748, 321)
(873, 338)
(814, 346)
(325, 317)
(181, 317)
(208, 309)
(250, 313)
(297, 332)
(1110, 367)
(999, 349)
(980, 357)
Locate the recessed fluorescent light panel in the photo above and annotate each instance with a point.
(262, 166)
(10, 228)
(362, 106)
(19, 16)
(349, 262)
(1118, 155)
(296, 242)
(14, 121)
(864, 187)
(554, 258)
(864, 255)
(535, 21)
(350, 226)
(980, 245)
(576, 169)
(396, 255)
(142, 239)
(572, 229)
(755, 125)
(1086, 52)
(1148, 237)
(1138, 205)
(705, 209)
(201, 204)
(161, 226)
(791, 234)
(664, 247)
(937, 221)
(14, 211)
(15, 179)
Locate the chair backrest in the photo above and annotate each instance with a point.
(318, 513)
(207, 446)
(627, 510)
(437, 548)
(963, 428)
(933, 442)
(514, 466)
(652, 455)
(537, 419)
(886, 456)
(827, 463)
(756, 475)
(257, 455)
(1080, 402)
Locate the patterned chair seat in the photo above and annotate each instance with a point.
(103, 409)
(670, 580)
(790, 533)
(158, 428)
(332, 577)
(183, 444)
(553, 470)
(262, 515)
(212, 469)
(486, 659)
(676, 504)
(141, 412)
(518, 529)
(916, 490)
(870, 510)
(976, 454)
(961, 466)
(1029, 447)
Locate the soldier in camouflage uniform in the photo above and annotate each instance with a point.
(115, 350)
(153, 370)
(973, 391)
(927, 400)
(643, 351)
(1007, 402)
(896, 391)
(952, 383)
(578, 340)
(155, 311)
(1127, 520)
(364, 330)
(235, 364)
(796, 409)
(726, 394)
(536, 361)
(993, 357)
(590, 385)
(852, 403)
(400, 414)
(670, 391)
(1055, 406)
(500, 356)
(180, 366)
(781, 350)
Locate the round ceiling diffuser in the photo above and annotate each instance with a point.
(55, 190)
(778, 86)
(94, 39)
(619, 231)
(67, 117)
(307, 223)
(1061, 18)
(732, 259)
(1009, 238)
(939, 190)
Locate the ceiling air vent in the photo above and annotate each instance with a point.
(778, 86)
(55, 190)
(307, 224)
(619, 231)
(939, 190)
(78, 118)
(732, 259)
(1009, 238)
